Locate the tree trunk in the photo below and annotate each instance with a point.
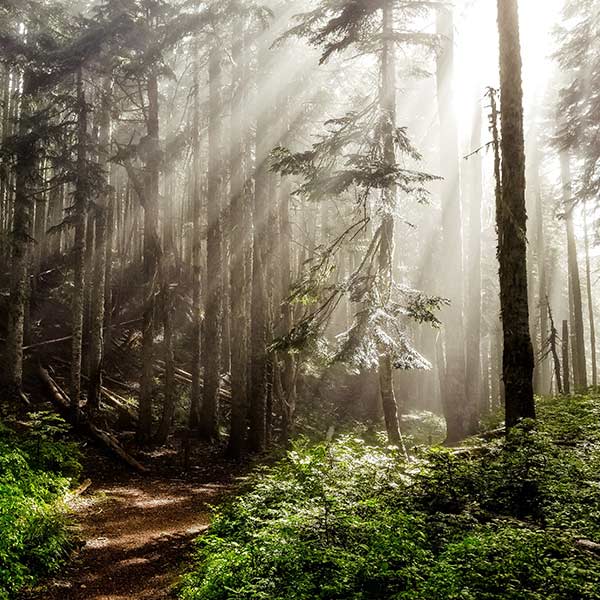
(565, 358)
(209, 412)
(20, 248)
(456, 407)
(590, 299)
(196, 366)
(553, 340)
(474, 370)
(386, 243)
(79, 208)
(99, 283)
(152, 256)
(542, 374)
(239, 239)
(288, 384)
(512, 226)
(578, 349)
(257, 435)
(108, 290)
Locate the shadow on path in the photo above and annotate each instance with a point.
(137, 533)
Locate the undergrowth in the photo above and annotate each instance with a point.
(349, 520)
(36, 471)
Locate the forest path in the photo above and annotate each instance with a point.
(137, 533)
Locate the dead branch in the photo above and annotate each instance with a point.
(61, 399)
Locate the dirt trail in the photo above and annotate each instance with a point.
(137, 532)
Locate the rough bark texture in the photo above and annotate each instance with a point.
(212, 327)
(553, 340)
(386, 244)
(456, 409)
(98, 282)
(259, 302)
(590, 299)
(20, 246)
(239, 235)
(512, 225)
(152, 252)
(542, 379)
(576, 305)
(565, 358)
(288, 384)
(474, 370)
(195, 369)
(80, 203)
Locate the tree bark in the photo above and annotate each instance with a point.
(20, 247)
(578, 349)
(542, 371)
(257, 435)
(565, 358)
(196, 366)
(239, 240)
(512, 226)
(80, 206)
(456, 407)
(99, 282)
(553, 340)
(590, 299)
(386, 244)
(209, 412)
(474, 370)
(152, 255)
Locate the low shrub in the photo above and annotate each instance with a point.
(36, 471)
(349, 520)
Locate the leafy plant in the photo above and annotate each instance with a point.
(35, 473)
(348, 519)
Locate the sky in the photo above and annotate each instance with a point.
(477, 49)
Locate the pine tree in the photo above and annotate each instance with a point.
(512, 225)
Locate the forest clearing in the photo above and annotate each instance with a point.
(298, 300)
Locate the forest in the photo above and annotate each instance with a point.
(298, 299)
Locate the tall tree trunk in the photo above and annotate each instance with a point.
(111, 210)
(590, 299)
(20, 246)
(565, 358)
(80, 205)
(196, 366)
(152, 256)
(542, 372)
(456, 408)
(553, 341)
(288, 384)
(209, 413)
(259, 302)
(239, 240)
(512, 225)
(386, 243)
(99, 282)
(474, 370)
(166, 312)
(578, 349)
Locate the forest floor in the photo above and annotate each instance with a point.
(136, 531)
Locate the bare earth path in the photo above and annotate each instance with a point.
(136, 534)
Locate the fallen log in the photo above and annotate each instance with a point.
(81, 489)
(120, 404)
(69, 337)
(62, 400)
(112, 442)
(186, 377)
(492, 434)
(111, 398)
(121, 384)
(588, 546)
